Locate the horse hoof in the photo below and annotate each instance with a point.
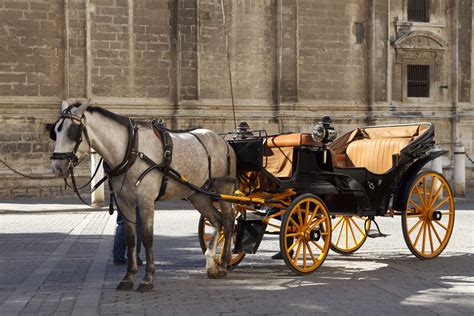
(145, 287)
(222, 274)
(212, 273)
(216, 273)
(125, 286)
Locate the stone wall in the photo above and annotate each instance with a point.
(291, 62)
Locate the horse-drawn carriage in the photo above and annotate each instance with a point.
(327, 193)
(319, 192)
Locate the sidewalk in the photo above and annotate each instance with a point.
(75, 205)
(71, 205)
(60, 263)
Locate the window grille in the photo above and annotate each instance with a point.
(419, 10)
(418, 81)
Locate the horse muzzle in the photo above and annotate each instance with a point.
(61, 162)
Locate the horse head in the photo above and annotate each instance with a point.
(70, 136)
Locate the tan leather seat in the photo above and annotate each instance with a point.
(375, 154)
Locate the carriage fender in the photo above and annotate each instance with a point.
(409, 176)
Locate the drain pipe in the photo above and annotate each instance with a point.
(454, 71)
(371, 64)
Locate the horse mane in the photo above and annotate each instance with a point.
(116, 117)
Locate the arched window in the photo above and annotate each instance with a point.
(419, 10)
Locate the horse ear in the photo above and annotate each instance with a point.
(64, 105)
(82, 108)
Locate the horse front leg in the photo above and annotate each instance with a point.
(128, 215)
(147, 217)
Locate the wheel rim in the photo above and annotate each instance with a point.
(309, 225)
(207, 230)
(348, 233)
(429, 218)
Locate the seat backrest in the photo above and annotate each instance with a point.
(279, 161)
(290, 140)
(375, 154)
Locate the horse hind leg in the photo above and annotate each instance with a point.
(205, 206)
(228, 218)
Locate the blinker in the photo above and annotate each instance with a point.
(74, 132)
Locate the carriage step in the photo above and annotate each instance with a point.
(375, 233)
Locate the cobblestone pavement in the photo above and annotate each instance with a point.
(60, 263)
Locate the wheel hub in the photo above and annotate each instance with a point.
(436, 216)
(314, 235)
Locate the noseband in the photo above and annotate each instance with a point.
(74, 133)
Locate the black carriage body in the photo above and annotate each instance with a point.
(345, 189)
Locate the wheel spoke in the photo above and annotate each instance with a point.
(435, 196)
(304, 254)
(419, 196)
(295, 259)
(414, 215)
(300, 217)
(311, 253)
(305, 218)
(292, 235)
(433, 180)
(419, 234)
(352, 233)
(417, 207)
(337, 224)
(293, 245)
(317, 245)
(316, 223)
(316, 209)
(347, 233)
(424, 239)
(424, 191)
(435, 232)
(431, 237)
(294, 222)
(414, 226)
(357, 226)
(340, 233)
(441, 225)
(441, 203)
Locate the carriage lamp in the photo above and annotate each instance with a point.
(324, 132)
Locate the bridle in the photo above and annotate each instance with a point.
(74, 133)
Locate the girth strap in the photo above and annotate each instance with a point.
(165, 166)
(209, 160)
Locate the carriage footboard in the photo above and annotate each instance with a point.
(250, 231)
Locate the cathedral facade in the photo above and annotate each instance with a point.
(289, 62)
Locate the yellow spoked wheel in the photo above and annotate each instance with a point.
(205, 230)
(305, 234)
(348, 233)
(428, 220)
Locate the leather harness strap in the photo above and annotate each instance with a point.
(159, 127)
(209, 160)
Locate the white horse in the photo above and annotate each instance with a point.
(198, 156)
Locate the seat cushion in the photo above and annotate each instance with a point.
(375, 154)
